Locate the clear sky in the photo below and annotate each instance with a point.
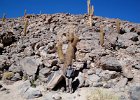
(123, 9)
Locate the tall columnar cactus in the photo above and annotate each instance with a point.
(88, 6)
(4, 17)
(25, 13)
(90, 13)
(60, 51)
(25, 26)
(101, 35)
(118, 25)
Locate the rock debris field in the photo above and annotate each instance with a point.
(30, 68)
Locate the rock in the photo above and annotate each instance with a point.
(110, 63)
(56, 97)
(16, 77)
(78, 65)
(32, 93)
(29, 65)
(54, 79)
(3, 60)
(128, 39)
(15, 68)
(55, 68)
(92, 79)
(28, 51)
(122, 83)
(1, 45)
(135, 93)
(7, 37)
(108, 75)
(137, 66)
(127, 72)
(24, 87)
(44, 73)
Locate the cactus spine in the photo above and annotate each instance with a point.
(118, 25)
(101, 36)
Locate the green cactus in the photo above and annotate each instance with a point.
(118, 25)
(25, 26)
(101, 36)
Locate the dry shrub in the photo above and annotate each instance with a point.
(102, 94)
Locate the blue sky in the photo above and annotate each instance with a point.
(123, 9)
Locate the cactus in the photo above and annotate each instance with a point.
(101, 36)
(60, 51)
(25, 26)
(88, 6)
(25, 13)
(90, 13)
(118, 25)
(75, 41)
(70, 36)
(4, 17)
(68, 56)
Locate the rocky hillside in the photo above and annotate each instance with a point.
(32, 56)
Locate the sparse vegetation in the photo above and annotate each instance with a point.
(7, 75)
(102, 94)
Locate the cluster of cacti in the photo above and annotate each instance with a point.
(90, 12)
(101, 35)
(25, 26)
(70, 52)
(4, 17)
(118, 25)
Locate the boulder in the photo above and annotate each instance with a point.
(32, 93)
(110, 63)
(122, 83)
(108, 75)
(29, 65)
(54, 79)
(134, 93)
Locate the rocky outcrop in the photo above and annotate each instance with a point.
(115, 65)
